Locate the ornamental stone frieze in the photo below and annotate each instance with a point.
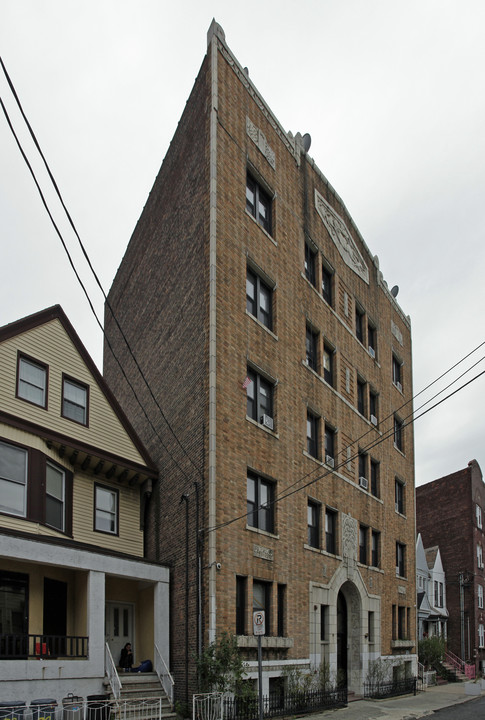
(259, 139)
(342, 238)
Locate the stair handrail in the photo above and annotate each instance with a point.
(466, 668)
(112, 673)
(164, 675)
(421, 674)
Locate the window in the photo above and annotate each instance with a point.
(13, 480)
(105, 509)
(310, 264)
(331, 531)
(312, 432)
(75, 401)
(375, 548)
(361, 396)
(311, 348)
(478, 511)
(363, 469)
(262, 601)
(259, 298)
(363, 544)
(359, 324)
(373, 408)
(327, 284)
(372, 340)
(399, 495)
(259, 393)
(281, 630)
(401, 622)
(479, 556)
(328, 364)
(241, 589)
(329, 446)
(480, 596)
(481, 636)
(400, 559)
(313, 520)
(441, 590)
(258, 203)
(436, 594)
(374, 478)
(370, 626)
(260, 502)
(324, 623)
(32, 381)
(398, 428)
(55, 497)
(396, 372)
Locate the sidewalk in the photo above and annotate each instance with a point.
(400, 708)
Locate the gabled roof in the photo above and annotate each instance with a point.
(77, 442)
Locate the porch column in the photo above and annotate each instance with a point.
(161, 620)
(96, 611)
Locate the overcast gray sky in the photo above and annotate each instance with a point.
(391, 92)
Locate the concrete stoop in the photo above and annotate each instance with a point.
(137, 690)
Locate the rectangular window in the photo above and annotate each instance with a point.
(328, 364)
(480, 596)
(262, 601)
(396, 372)
(329, 446)
(331, 531)
(363, 544)
(259, 393)
(479, 556)
(32, 381)
(313, 520)
(312, 433)
(361, 396)
(311, 345)
(398, 433)
(478, 511)
(399, 495)
(260, 503)
(374, 478)
(363, 470)
(55, 497)
(241, 589)
(372, 340)
(258, 203)
(259, 298)
(481, 636)
(310, 264)
(13, 480)
(375, 550)
(436, 594)
(400, 559)
(370, 626)
(394, 622)
(105, 510)
(323, 623)
(75, 401)
(359, 324)
(401, 623)
(373, 408)
(441, 588)
(281, 629)
(327, 284)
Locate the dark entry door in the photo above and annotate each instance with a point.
(14, 615)
(341, 640)
(55, 615)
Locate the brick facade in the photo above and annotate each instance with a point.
(447, 515)
(180, 297)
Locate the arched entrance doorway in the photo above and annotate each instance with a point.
(349, 636)
(342, 623)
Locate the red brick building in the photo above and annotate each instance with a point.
(449, 514)
(282, 364)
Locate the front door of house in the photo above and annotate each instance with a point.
(119, 628)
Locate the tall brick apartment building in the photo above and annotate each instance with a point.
(282, 364)
(449, 514)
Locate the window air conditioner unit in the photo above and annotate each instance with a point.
(329, 460)
(399, 386)
(373, 419)
(372, 352)
(267, 421)
(363, 482)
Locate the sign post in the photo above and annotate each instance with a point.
(259, 629)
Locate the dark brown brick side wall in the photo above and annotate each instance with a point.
(160, 296)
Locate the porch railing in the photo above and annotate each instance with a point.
(111, 672)
(19, 647)
(465, 668)
(164, 674)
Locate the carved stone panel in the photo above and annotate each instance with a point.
(349, 537)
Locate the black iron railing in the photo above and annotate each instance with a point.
(16, 647)
(277, 705)
(390, 689)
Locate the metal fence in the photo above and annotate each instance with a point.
(391, 689)
(79, 709)
(278, 705)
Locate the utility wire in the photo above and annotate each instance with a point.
(86, 256)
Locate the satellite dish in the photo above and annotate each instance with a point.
(307, 141)
(395, 291)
